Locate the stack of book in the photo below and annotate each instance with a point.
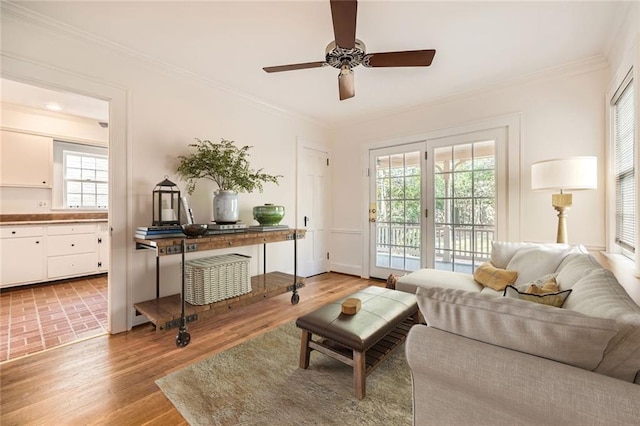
(226, 228)
(153, 232)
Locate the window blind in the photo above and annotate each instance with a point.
(625, 117)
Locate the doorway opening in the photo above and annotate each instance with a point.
(61, 295)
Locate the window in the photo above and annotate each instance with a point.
(86, 180)
(624, 112)
(82, 176)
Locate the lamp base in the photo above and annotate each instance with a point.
(562, 203)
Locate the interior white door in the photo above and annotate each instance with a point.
(313, 185)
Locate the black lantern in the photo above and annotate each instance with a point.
(166, 203)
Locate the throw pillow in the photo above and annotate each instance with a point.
(557, 334)
(391, 281)
(495, 278)
(544, 284)
(534, 262)
(551, 299)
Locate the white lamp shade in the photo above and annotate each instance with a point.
(567, 173)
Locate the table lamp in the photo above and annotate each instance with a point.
(566, 174)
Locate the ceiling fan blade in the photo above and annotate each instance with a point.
(346, 85)
(343, 14)
(409, 58)
(292, 67)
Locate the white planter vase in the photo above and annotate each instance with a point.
(225, 207)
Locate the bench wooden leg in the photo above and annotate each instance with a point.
(305, 350)
(359, 373)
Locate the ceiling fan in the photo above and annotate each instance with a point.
(347, 52)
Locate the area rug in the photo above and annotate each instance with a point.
(259, 383)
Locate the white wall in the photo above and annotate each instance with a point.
(56, 125)
(562, 114)
(166, 109)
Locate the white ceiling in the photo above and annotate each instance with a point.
(228, 42)
(17, 93)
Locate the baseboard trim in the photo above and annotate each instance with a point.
(346, 269)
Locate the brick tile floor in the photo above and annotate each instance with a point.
(41, 317)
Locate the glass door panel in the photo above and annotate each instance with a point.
(396, 194)
(465, 204)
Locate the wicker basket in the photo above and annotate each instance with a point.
(216, 278)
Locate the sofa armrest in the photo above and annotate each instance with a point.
(460, 381)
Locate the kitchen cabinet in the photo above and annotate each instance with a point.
(32, 254)
(25, 160)
(71, 250)
(22, 249)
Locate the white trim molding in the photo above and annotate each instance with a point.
(120, 214)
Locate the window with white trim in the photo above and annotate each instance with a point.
(80, 176)
(85, 180)
(624, 122)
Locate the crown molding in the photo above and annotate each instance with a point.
(582, 66)
(9, 8)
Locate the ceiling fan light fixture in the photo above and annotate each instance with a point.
(347, 52)
(345, 69)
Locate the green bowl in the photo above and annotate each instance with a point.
(268, 215)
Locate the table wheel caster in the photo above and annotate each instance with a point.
(295, 298)
(183, 338)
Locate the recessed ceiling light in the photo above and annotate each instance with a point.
(53, 106)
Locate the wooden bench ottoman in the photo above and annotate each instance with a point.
(362, 340)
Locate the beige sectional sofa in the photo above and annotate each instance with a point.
(487, 359)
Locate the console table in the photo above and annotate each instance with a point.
(273, 283)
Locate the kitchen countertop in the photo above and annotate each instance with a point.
(51, 218)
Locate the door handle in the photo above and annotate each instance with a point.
(306, 220)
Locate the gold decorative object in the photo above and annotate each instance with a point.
(351, 306)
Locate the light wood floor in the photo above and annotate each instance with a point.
(111, 379)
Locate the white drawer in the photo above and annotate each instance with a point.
(76, 228)
(20, 231)
(77, 264)
(61, 245)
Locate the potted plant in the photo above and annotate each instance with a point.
(228, 166)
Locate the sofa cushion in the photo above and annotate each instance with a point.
(535, 261)
(488, 291)
(574, 267)
(437, 278)
(599, 294)
(495, 278)
(557, 334)
(555, 299)
(503, 251)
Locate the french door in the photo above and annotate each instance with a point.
(467, 197)
(437, 204)
(395, 210)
